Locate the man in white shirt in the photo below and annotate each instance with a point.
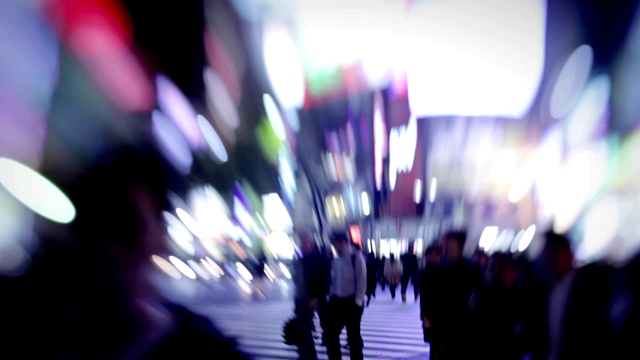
(348, 287)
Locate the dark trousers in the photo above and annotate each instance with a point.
(405, 283)
(392, 287)
(344, 312)
(306, 350)
(324, 317)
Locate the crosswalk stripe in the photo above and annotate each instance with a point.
(390, 329)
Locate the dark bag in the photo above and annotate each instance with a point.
(291, 332)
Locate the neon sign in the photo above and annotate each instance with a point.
(402, 149)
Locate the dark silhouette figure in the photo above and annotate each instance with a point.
(429, 299)
(312, 287)
(104, 303)
(393, 274)
(410, 272)
(500, 312)
(457, 283)
(372, 273)
(346, 305)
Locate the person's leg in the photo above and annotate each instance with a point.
(353, 331)
(415, 281)
(404, 281)
(335, 321)
(307, 349)
(392, 288)
(435, 346)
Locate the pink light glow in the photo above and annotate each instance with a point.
(100, 34)
(113, 68)
(222, 64)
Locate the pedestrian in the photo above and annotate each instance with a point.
(348, 287)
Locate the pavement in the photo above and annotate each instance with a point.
(254, 315)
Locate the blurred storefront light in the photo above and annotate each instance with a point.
(269, 273)
(283, 66)
(177, 107)
(523, 179)
(213, 140)
(275, 213)
(571, 81)
(281, 245)
(503, 241)
(379, 138)
(600, 226)
(583, 173)
(221, 105)
(222, 62)
(285, 271)
(275, 119)
(286, 167)
(179, 233)
(210, 268)
(590, 115)
(171, 143)
(244, 272)
(215, 266)
(432, 190)
(191, 223)
(417, 191)
(366, 207)
(402, 149)
(515, 243)
(488, 237)
(457, 63)
(210, 211)
(526, 238)
(36, 192)
(244, 217)
(182, 267)
(198, 269)
(550, 155)
(165, 266)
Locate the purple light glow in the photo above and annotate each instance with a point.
(177, 107)
(171, 143)
(238, 192)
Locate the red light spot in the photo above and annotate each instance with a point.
(100, 34)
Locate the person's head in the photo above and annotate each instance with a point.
(453, 245)
(341, 242)
(356, 247)
(557, 254)
(433, 254)
(119, 203)
(307, 243)
(509, 272)
(480, 258)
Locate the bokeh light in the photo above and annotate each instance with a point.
(35, 191)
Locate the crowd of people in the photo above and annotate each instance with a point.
(95, 298)
(492, 306)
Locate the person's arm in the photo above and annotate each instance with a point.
(424, 293)
(361, 276)
(299, 280)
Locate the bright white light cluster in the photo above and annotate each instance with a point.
(402, 147)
